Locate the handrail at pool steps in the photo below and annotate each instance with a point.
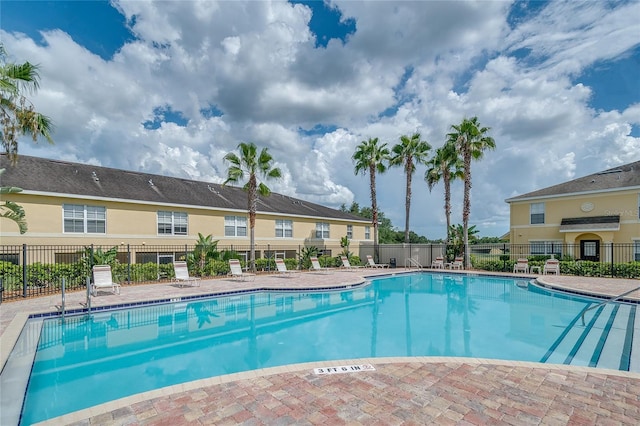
(411, 261)
(612, 299)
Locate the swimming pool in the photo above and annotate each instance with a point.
(89, 360)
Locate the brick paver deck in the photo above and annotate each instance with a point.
(401, 391)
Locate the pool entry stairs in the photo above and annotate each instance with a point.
(610, 334)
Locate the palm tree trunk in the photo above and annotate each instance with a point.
(466, 209)
(253, 202)
(447, 203)
(374, 209)
(407, 205)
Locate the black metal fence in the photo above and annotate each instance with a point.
(29, 270)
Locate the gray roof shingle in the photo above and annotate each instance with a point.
(621, 177)
(84, 180)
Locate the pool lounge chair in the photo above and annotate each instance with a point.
(522, 265)
(182, 274)
(315, 266)
(236, 271)
(372, 264)
(438, 263)
(458, 263)
(347, 265)
(551, 266)
(282, 268)
(102, 278)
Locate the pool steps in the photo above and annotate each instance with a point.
(606, 341)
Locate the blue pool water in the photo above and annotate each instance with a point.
(88, 360)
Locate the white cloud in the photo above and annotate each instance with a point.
(256, 63)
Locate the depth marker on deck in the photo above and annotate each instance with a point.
(344, 369)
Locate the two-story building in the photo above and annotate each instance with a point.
(583, 218)
(73, 204)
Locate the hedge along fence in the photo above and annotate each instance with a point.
(582, 268)
(46, 278)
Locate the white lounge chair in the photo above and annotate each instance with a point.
(372, 264)
(522, 265)
(315, 266)
(236, 271)
(182, 274)
(551, 266)
(102, 278)
(282, 268)
(438, 263)
(347, 265)
(458, 263)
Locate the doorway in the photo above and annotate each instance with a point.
(590, 250)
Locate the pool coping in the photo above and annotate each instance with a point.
(12, 332)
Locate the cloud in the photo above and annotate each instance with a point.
(409, 66)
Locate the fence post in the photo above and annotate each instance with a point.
(24, 270)
(129, 263)
(612, 261)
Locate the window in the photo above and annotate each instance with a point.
(84, 219)
(235, 226)
(636, 249)
(350, 232)
(546, 248)
(537, 213)
(284, 228)
(367, 232)
(172, 223)
(322, 230)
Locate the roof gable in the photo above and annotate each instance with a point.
(616, 178)
(84, 180)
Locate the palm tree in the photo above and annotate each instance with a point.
(247, 166)
(11, 210)
(446, 166)
(471, 142)
(410, 152)
(17, 115)
(17, 118)
(370, 157)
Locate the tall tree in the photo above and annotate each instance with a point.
(246, 167)
(17, 114)
(471, 143)
(370, 157)
(445, 165)
(18, 118)
(410, 152)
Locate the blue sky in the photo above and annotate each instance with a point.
(169, 87)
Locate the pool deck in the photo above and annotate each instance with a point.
(400, 391)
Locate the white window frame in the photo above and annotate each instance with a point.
(234, 226)
(367, 232)
(177, 221)
(537, 210)
(546, 248)
(323, 230)
(350, 232)
(284, 228)
(88, 216)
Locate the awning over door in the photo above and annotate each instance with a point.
(590, 224)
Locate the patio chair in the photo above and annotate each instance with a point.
(102, 278)
(458, 263)
(347, 265)
(372, 264)
(282, 268)
(522, 265)
(315, 266)
(182, 274)
(237, 273)
(438, 263)
(551, 266)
